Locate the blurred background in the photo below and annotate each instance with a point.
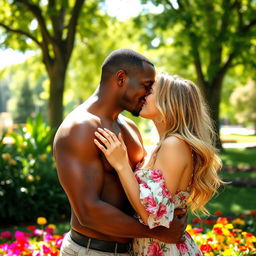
(51, 53)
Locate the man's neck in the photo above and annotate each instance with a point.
(103, 105)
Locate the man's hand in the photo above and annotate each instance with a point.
(175, 233)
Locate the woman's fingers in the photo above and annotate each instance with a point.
(121, 139)
(102, 148)
(102, 139)
(107, 134)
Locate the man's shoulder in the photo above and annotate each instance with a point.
(77, 128)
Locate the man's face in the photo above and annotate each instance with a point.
(139, 85)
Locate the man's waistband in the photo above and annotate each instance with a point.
(100, 245)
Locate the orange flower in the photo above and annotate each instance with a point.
(222, 220)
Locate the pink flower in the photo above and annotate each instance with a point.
(49, 230)
(6, 235)
(151, 206)
(156, 175)
(46, 249)
(38, 232)
(145, 185)
(154, 250)
(182, 247)
(161, 211)
(48, 238)
(165, 191)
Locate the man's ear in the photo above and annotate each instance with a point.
(120, 77)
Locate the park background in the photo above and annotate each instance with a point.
(50, 60)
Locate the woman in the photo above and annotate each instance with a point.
(182, 169)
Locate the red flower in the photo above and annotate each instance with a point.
(205, 248)
(218, 213)
(154, 250)
(253, 212)
(196, 220)
(218, 231)
(31, 227)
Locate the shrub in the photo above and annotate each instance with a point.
(29, 185)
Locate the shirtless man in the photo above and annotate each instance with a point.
(101, 219)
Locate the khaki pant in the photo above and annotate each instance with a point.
(70, 248)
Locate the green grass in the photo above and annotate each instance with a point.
(239, 156)
(233, 200)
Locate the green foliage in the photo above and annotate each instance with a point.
(29, 185)
(25, 104)
(243, 99)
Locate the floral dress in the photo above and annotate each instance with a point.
(160, 205)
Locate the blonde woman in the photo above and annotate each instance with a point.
(180, 172)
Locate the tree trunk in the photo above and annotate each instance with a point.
(57, 74)
(213, 97)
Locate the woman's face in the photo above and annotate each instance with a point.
(149, 109)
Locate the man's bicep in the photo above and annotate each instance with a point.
(82, 180)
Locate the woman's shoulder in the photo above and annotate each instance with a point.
(175, 147)
(174, 142)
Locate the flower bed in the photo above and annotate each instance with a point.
(223, 236)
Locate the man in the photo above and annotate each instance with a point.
(101, 222)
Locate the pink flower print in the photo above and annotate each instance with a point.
(183, 248)
(182, 198)
(156, 175)
(154, 250)
(138, 178)
(165, 191)
(145, 185)
(151, 206)
(161, 211)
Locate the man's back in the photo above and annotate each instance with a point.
(90, 183)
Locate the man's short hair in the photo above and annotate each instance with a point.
(122, 59)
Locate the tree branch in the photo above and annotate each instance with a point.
(72, 27)
(35, 10)
(21, 32)
(57, 19)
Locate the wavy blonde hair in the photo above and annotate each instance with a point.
(186, 116)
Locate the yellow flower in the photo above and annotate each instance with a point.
(229, 226)
(43, 157)
(218, 225)
(41, 221)
(225, 231)
(238, 221)
(6, 156)
(52, 226)
(30, 178)
(12, 162)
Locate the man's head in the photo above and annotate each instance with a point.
(132, 75)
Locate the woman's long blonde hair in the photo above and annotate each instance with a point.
(186, 116)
